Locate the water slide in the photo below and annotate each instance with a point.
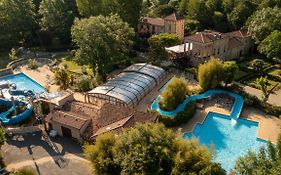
(234, 114)
(14, 119)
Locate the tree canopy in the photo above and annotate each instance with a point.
(266, 161)
(271, 45)
(209, 73)
(230, 70)
(57, 19)
(17, 23)
(157, 44)
(173, 94)
(149, 149)
(263, 22)
(101, 41)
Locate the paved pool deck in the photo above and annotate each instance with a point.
(43, 75)
(269, 126)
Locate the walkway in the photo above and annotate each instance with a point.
(274, 99)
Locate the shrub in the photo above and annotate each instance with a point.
(174, 94)
(33, 64)
(210, 74)
(62, 78)
(84, 84)
(181, 117)
(25, 172)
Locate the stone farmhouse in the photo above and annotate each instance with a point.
(201, 46)
(173, 23)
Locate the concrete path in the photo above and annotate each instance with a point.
(274, 99)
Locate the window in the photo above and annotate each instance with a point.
(218, 51)
(224, 50)
(214, 52)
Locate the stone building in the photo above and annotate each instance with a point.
(201, 46)
(84, 122)
(173, 23)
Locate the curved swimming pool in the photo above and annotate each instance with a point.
(231, 136)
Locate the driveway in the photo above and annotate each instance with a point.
(62, 156)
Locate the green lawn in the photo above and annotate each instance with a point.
(72, 66)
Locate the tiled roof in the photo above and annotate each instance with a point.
(77, 115)
(205, 36)
(67, 118)
(153, 21)
(233, 43)
(238, 33)
(174, 17)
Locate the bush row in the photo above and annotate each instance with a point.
(181, 117)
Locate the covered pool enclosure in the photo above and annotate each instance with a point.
(129, 87)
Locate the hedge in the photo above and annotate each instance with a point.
(181, 117)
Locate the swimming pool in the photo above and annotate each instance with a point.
(23, 82)
(231, 138)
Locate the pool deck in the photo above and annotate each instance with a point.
(43, 75)
(269, 126)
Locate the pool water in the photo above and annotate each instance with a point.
(231, 138)
(23, 82)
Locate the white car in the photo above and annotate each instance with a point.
(53, 133)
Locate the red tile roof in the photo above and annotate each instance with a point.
(153, 21)
(205, 36)
(233, 43)
(238, 33)
(77, 115)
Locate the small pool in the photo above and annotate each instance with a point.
(231, 138)
(24, 82)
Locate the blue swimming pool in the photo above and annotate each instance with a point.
(24, 82)
(231, 138)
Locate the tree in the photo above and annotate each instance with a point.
(164, 10)
(198, 10)
(17, 23)
(271, 45)
(102, 155)
(89, 8)
(263, 22)
(101, 41)
(183, 7)
(57, 19)
(209, 73)
(263, 85)
(13, 54)
(230, 69)
(240, 13)
(130, 11)
(266, 161)
(62, 78)
(150, 149)
(157, 44)
(174, 94)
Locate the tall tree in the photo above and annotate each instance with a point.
(198, 10)
(263, 22)
(157, 44)
(130, 11)
(266, 161)
(271, 45)
(240, 13)
(57, 19)
(209, 74)
(17, 23)
(230, 70)
(89, 8)
(101, 41)
(150, 149)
